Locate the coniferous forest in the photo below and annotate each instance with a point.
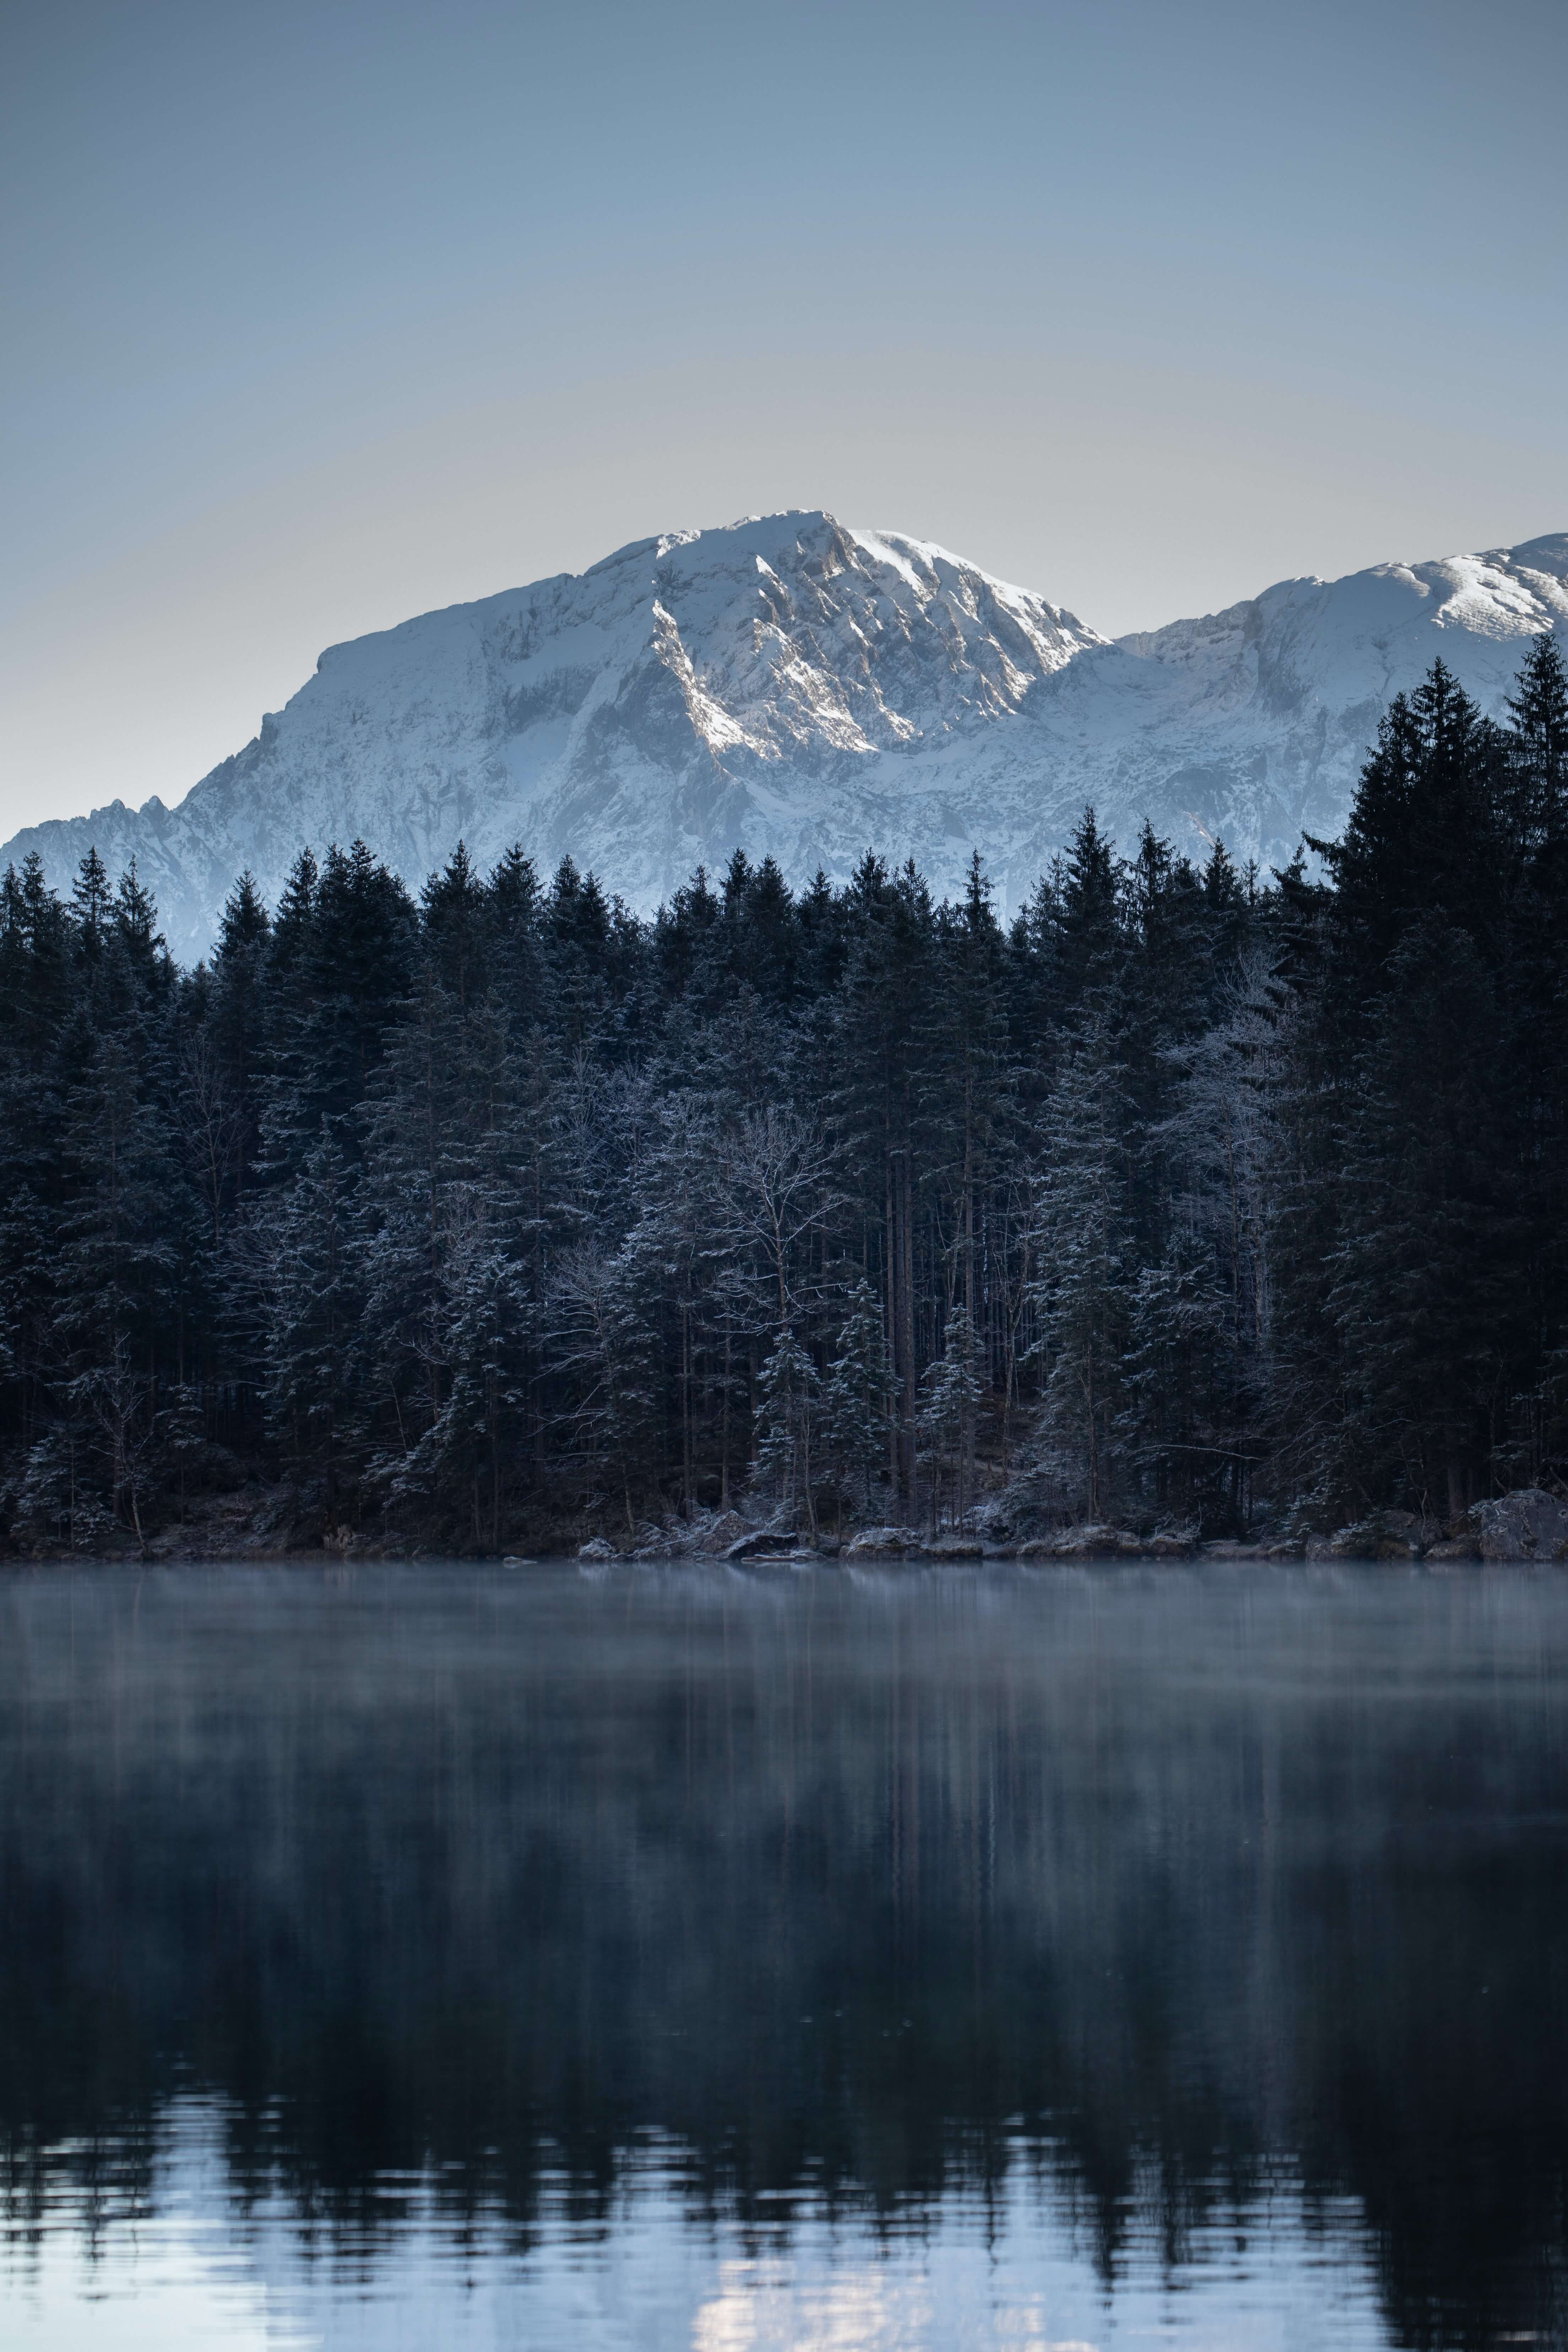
(1193, 1197)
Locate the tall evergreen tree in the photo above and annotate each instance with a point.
(1423, 1279)
(787, 1424)
(950, 1403)
(314, 1300)
(861, 1395)
(1084, 1288)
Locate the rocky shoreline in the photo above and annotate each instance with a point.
(1529, 1524)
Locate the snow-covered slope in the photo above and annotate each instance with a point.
(1267, 711)
(794, 685)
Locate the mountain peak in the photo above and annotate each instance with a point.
(788, 684)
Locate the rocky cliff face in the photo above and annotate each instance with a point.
(794, 686)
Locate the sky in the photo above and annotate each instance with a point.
(316, 317)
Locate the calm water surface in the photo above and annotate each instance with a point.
(529, 1958)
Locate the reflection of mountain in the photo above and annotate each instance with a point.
(794, 686)
(828, 1880)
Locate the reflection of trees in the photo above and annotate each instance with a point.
(832, 1880)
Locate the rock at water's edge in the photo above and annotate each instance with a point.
(1529, 1524)
(884, 1543)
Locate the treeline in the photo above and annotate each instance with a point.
(505, 1211)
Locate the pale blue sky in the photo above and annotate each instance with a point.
(320, 316)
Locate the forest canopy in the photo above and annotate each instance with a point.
(1193, 1196)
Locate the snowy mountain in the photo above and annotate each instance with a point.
(792, 686)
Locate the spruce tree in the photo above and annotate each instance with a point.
(1185, 1407)
(1428, 1272)
(314, 1300)
(1538, 749)
(118, 1258)
(861, 1395)
(949, 1400)
(1083, 1289)
(607, 1422)
(787, 1424)
(90, 899)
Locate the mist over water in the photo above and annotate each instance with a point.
(653, 1958)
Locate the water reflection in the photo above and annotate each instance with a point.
(402, 1956)
(1000, 2269)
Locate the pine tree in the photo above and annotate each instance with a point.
(1202, 1315)
(437, 1201)
(137, 934)
(313, 1301)
(1427, 1271)
(1426, 869)
(1539, 747)
(342, 968)
(787, 1423)
(888, 977)
(239, 1015)
(600, 1341)
(1088, 915)
(964, 1095)
(118, 1259)
(686, 1257)
(514, 954)
(1184, 1404)
(455, 907)
(949, 1400)
(1083, 1289)
(30, 1315)
(458, 1464)
(36, 975)
(861, 1395)
(90, 900)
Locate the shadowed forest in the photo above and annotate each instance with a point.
(1193, 1196)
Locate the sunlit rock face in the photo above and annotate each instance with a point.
(793, 686)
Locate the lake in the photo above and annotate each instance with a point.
(434, 1954)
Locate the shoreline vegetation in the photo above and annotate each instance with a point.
(1197, 1213)
(1520, 1528)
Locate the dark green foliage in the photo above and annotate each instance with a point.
(860, 1397)
(1418, 1188)
(1085, 1266)
(1426, 1292)
(950, 1405)
(472, 1219)
(310, 1375)
(787, 1389)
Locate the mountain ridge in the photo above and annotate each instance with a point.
(791, 685)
